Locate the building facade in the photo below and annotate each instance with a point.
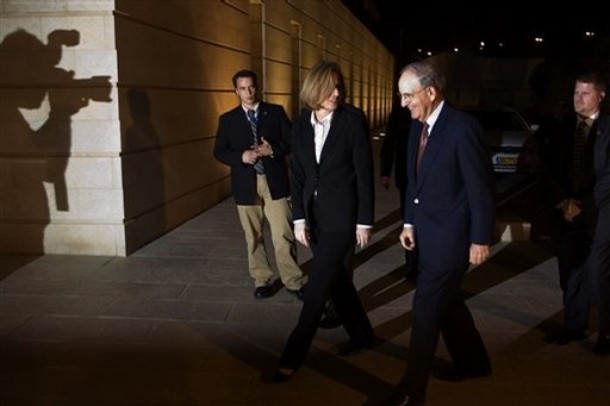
(108, 109)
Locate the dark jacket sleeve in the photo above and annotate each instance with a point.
(224, 150)
(280, 142)
(479, 182)
(602, 163)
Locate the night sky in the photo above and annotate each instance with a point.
(507, 28)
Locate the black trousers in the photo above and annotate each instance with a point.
(439, 308)
(599, 269)
(329, 278)
(575, 270)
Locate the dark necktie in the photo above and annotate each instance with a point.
(258, 165)
(580, 139)
(423, 141)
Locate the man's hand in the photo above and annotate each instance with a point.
(407, 238)
(249, 156)
(385, 181)
(264, 149)
(301, 233)
(570, 208)
(363, 236)
(478, 253)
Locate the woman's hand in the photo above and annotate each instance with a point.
(363, 236)
(301, 233)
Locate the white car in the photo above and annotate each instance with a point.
(507, 134)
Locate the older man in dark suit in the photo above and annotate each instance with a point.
(450, 220)
(253, 139)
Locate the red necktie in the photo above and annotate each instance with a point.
(580, 139)
(423, 140)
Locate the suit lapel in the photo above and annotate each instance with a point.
(263, 112)
(593, 132)
(334, 135)
(602, 141)
(243, 125)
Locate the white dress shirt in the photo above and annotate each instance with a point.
(320, 129)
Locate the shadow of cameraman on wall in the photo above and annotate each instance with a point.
(144, 194)
(37, 102)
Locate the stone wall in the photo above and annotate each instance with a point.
(60, 165)
(107, 160)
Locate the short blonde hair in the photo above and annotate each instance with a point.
(320, 83)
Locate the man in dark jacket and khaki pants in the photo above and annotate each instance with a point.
(253, 140)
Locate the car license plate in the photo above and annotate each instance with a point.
(506, 160)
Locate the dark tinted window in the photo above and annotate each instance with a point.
(499, 120)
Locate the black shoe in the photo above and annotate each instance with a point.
(299, 293)
(411, 276)
(263, 292)
(602, 346)
(409, 401)
(459, 375)
(565, 337)
(329, 322)
(283, 375)
(399, 398)
(353, 347)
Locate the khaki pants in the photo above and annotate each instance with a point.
(279, 216)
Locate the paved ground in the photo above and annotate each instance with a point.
(176, 324)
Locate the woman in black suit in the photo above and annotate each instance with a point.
(332, 209)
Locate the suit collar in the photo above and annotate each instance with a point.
(324, 121)
(334, 134)
(434, 116)
(255, 108)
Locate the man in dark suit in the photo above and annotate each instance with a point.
(253, 139)
(333, 210)
(567, 180)
(450, 220)
(600, 251)
(393, 158)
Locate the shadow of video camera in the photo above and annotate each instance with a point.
(96, 88)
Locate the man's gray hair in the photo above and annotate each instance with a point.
(428, 76)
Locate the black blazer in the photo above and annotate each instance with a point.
(234, 136)
(557, 146)
(602, 163)
(343, 180)
(451, 200)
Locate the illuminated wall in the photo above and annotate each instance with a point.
(137, 161)
(60, 164)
